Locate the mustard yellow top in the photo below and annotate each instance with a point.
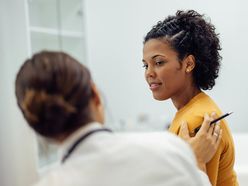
(220, 168)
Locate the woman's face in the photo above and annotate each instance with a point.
(166, 76)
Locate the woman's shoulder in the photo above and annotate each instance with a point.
(193, 113)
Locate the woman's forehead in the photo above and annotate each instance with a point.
(155, 47)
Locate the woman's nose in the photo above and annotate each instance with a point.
(150, 72)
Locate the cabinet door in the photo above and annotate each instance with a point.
(57, 25)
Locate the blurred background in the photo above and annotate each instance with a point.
(107, 37)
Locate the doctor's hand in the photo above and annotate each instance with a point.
(206, 142)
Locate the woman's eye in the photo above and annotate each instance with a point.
(145, 66)
(160, 63)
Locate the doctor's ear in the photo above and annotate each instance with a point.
(190, 63)
(96, 94)
(97, 104)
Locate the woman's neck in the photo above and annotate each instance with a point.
(181, 99)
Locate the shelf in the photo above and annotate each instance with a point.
(62, 14)
(55, 32)
(72, 45)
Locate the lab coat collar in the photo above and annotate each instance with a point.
(76, 135)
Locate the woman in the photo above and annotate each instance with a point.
(60, 102)
(181, 58)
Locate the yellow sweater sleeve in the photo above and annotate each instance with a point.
(220, 168)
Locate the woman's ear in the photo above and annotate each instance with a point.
(96, 94)
(190, 63)
(97, 105)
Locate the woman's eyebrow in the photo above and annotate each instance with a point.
(157, 55)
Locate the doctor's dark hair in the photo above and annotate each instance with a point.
(53, 91)
(189, 33)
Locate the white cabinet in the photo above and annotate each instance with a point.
(57, 25)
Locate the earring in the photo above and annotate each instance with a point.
(187, 70)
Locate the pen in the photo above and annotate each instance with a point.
(221, 117)
(214, 121)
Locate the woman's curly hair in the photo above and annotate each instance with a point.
(189, 33)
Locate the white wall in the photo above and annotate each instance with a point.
(17, 145)
(241, 163)
(115, 30)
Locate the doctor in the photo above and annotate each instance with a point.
(59, 101)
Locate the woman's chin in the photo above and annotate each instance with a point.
(160, 98)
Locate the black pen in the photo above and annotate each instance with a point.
(214, 121)
(221, 117)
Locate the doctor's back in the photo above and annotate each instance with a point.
(137, 159)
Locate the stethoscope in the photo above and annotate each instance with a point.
(83, 137)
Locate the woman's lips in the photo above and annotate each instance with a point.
(154, 86)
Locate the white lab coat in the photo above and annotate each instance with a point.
(126, 159)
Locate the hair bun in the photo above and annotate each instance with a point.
(43, 109)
